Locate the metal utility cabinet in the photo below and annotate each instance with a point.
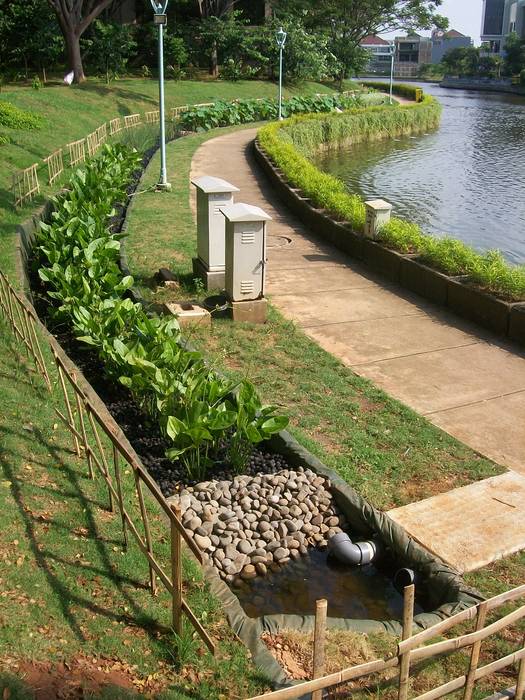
(378, 213)
(212, 194)
(246, 259)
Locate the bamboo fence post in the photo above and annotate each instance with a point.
(147, 532)
(404, 661)
(68, 404)
(520, 685)
(39, 352)
(102, 456)
(176, 570)
(84, 436)
(321, 607)
(116, 463)
(474, 655)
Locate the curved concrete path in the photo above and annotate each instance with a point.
(460, 377)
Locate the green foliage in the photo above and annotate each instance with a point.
(110, 48)
(242, 111)
(409, 91)
(78, 262)
(15, 118)
(522, 77)
(514, 54)
(288, 144)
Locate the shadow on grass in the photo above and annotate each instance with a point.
(67, 599)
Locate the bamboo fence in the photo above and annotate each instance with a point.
(99, 440)
(25, 185)
(55, 165)
(413, 647)
(92, 143)
(152, 117)
(115, 125)
(77, 152)
(131, 120)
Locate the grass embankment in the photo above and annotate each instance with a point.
(70, 113)
(290, 144)
(387, 452)
(68, 592)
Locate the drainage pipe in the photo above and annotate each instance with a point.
(354, 553)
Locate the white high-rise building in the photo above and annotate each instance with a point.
(500, 18)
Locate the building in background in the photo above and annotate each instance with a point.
(379, 50)
(412, 51)
(446, 41)
(499, 19)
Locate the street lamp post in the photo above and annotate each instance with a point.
(160, 19)
(281, 35)
(392, 50)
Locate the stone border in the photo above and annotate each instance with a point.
(501, 317)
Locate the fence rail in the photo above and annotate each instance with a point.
(97, 437)
(412, 648)
(77, 152)
(131, 120)
(55, 165)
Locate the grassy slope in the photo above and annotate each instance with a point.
(66, 588)
(72, 112)
(387, 452)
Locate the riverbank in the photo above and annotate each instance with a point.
(481, 85)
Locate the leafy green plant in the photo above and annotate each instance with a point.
(15, 118)
(411, 92)
(78, 262)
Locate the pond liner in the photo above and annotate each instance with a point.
(446, 591)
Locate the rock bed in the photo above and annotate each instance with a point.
(254, 524)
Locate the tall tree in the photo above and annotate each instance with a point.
(74, 17)
(349, 21)
(210, 10)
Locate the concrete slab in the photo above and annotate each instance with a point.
(361, 342)
(471, 526)
(321, 278)
(445, 379)
(341, 306)
(495, 427)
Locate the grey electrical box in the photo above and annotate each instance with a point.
(212, 194)
(378, 213)
(245, 251)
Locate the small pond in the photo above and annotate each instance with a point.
(355, 593)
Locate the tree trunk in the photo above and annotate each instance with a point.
(74, 57)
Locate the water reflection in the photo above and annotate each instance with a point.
(466, 179)
(356, 593)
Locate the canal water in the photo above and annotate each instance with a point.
(467, 179)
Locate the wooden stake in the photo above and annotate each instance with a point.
(474, 655)
(176, 572)
(80, 412)
(39, 352)
(408, 621)
(68, 407)
(116, 463)
(102, 457)
(520, 685)
(321, 607)
(145, 521)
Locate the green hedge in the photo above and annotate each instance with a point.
(411, 92)
(289, 144)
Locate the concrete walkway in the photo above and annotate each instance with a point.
(460, 377)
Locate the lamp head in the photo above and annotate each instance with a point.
(392, 49)
(159, 6)
(280, 36)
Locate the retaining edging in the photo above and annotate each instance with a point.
(499, 316)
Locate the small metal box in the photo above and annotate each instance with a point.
(245, 251)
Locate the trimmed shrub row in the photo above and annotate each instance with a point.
(198, 411)
(411, 92)
(13, 117)
(288, 144)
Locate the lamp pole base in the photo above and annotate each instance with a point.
(163, 187)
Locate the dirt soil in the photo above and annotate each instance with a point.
(76, 678)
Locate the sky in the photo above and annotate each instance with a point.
(464, 15)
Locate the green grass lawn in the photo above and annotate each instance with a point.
(70, 113)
